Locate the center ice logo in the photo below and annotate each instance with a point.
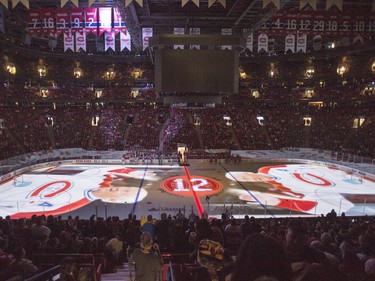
(202, 186)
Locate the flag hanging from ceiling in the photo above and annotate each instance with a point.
(222, 2)
(140, 2)
(109, 41)
(337, 3)
(146, 35)
(76, 19)
(195, 31)
(80, 41)
(5, 3)
(226, 32)
(125, 41)
(35, 21)
(250, 42)
(183, 2)
(63, 3)
(2, 27)
(68, 41)
(118, 22)
(105, 20)
(48, 16)
(91, 21)
(75, 2)
(263, 42)
(62, 21)
(301, 43)
(24, 2)
(275, 2)
(290, 43)
(303, 3)
(178, 30)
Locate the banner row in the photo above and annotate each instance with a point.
(91, 20)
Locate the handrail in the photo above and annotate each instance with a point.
(44, 273)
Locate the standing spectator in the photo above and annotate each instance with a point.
(162, 228)
(150, 227)
(148, 260)
(39, 231)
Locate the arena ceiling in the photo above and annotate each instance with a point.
(164, 15)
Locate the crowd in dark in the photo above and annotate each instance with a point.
(329, 247)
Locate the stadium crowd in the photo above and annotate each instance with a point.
(338, 127)
(329, 247)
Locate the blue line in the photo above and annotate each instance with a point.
(248, 191)
(139, 190)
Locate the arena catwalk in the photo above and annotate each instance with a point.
(266, 189)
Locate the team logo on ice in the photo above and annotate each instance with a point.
(202, 186)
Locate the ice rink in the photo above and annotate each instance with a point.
(266, 189)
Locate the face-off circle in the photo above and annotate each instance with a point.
(202, 186)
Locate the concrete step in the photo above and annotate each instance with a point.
(123, 273)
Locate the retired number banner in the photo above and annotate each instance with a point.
(62, 21)
(48, 21)
(76, 20)
(118, 22)
(34, 24)
(105, 20)
(91, 21)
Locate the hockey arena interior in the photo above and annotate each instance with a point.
(178, 140)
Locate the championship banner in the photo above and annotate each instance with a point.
(195, 31)
(275, 2)
(76, 20)
(63, 3)
(146, 34)
(226, 31)
(303, 3)
(330, 3)
(80, 41)
(125, 41)
(5, 3)
(301, 43)
(140, 2)
(2, 27)
(62, 21)
(178, 30)
(109, 41)
(222, 2)
(105, 20)
(183, 2)
(250, 42)
(118, 22)
(48, 21)
(358, 39)
(91, 21)
(34, 24)
(68, 41)
(24, 2)
(263, 42)
(290, 43)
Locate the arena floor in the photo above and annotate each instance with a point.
(256, 189)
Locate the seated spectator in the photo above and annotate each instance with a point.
(68, 269)
(261, 256)
(21, 265)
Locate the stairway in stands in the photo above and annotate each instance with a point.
(124, 273)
